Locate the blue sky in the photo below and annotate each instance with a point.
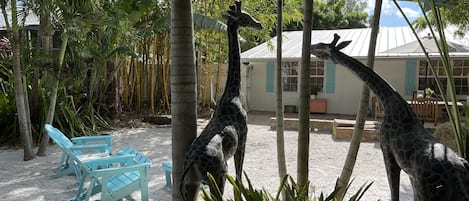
(390, 15)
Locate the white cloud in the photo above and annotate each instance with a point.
(409, 12)
(387, 8)
(371, 5)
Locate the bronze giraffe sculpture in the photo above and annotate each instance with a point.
(436, 172)
(225, 134)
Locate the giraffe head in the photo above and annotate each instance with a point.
(323, 50)
(241, 18)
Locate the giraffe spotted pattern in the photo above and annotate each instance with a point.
(225, 135)
(436, 172)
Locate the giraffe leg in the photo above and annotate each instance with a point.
(436, 187)
(413, 184)
(239, 154)
(191, 191)
(220, 179)
(393, 172)
(239, 160)
(190, 185)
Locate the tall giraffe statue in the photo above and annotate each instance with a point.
(225, 134)
(436, 172)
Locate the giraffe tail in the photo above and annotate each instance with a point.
(182, 185)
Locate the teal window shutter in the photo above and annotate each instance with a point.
(410, 76)
(330, 77)
(270, 70)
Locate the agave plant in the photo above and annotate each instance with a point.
(293, 191)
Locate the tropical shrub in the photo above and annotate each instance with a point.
(292, 191)
(78, 119)
(8, 118)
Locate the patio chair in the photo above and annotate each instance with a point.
(168, 170)
(378, 108)
(426, 109)
(85, 148)
(115, 177)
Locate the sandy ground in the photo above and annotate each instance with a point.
(30, 180)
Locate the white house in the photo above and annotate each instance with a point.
(397, 60)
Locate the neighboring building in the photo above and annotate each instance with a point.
(397, 60)
(31, 19)
(31, 25)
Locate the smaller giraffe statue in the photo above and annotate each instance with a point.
(436, 172)
(225, 135)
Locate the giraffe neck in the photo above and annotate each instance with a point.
(389, 97)
(233, 80)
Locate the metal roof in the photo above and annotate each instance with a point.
(31, 19)
(388, 38)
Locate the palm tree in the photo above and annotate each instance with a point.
(362, 109)
(183, 86)
(21, 95)
(43, 47)
(282, 167)
(44, 11)
(303, 115)
(63, 12)
(52, 100)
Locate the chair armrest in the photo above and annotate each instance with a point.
(98, 147)
(85, 139)
(116, 170)
(109, 161)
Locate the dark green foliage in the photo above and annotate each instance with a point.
(8, 121)
(332, 14)
(240, 191)
(8, 118)
(293, 191)
(451, 12)
(74, 122)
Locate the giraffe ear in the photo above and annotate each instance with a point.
(238, 6)
(342, 45)
(232, 11)
(233, 7)
(229, 13)
(336, 39)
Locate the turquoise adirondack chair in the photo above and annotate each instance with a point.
(86, 148)
(113, 176)
(168, 170)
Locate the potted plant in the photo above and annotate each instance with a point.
(429, 92)
(314, 91)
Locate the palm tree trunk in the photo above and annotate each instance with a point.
(43, 33)
(183, 87)
(282, 167)
(43, 44)
(52, 101)
(362, 109)
(303, 115)
(20, 94)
